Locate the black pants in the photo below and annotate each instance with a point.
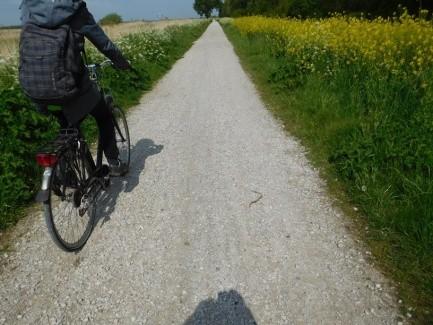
(104, 120)
(107, 134)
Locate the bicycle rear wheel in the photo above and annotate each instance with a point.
(71, 209)
(123, 140)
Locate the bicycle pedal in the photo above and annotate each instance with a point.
(107, 182)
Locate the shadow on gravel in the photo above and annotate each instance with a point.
(139, 153)
(228, 309)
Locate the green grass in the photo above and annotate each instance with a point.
(23, 131)
(372, 139)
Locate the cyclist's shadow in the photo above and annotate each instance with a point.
(143, 149)
(228, 309)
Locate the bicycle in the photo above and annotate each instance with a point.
(72, 180)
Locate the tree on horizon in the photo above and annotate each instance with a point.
(206, 7)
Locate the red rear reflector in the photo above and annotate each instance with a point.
(46, 159)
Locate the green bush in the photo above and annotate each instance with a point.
(20, 134)
(23, 131)
(111, 19)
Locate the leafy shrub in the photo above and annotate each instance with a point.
(20, 134)
(111, 19)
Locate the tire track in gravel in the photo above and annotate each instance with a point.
(179, 241)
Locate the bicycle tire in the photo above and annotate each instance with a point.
(123, 140)
(55, 205)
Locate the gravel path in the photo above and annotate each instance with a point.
(222, 220)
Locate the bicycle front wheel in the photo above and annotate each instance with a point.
(123, 140)
(71, 209)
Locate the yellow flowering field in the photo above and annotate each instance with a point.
(401, 46)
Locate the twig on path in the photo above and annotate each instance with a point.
(256, 200)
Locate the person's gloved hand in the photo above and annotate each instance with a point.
(123, 65)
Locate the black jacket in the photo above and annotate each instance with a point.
(51, 14)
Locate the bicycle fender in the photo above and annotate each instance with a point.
(44, 194)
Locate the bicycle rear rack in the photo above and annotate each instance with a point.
(64, 139)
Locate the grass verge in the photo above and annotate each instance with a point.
(23, 131)
(366, 138)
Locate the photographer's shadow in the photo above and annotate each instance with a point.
(143, 149)
(228, 309)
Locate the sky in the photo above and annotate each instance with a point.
(128, 9)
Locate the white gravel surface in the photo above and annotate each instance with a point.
(222, 220)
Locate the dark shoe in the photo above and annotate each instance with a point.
(117, 168)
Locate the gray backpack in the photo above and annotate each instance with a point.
(50, 65)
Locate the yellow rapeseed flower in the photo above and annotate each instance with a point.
(389, 44)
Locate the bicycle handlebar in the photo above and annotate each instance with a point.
(95, 69)
(99, 65)
(105, 63)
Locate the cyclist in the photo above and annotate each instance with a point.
(88, 100)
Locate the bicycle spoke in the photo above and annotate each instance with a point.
(77, 170)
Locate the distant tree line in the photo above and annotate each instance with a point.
(206, 7)
(318, 8)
